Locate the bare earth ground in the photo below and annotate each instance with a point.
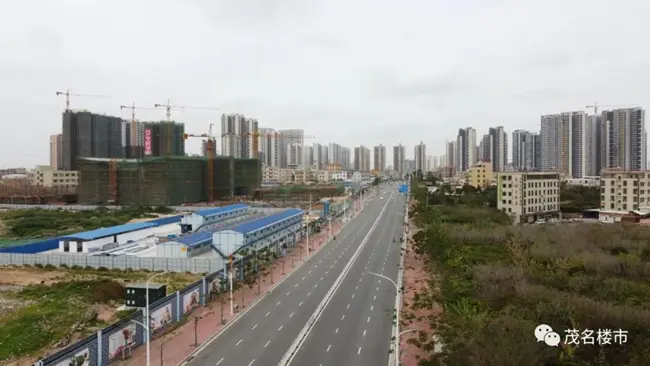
(416, 280)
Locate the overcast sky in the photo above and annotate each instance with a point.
(353, 72)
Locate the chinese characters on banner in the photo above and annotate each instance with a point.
(147, 141)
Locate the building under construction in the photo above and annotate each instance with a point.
(165, 181)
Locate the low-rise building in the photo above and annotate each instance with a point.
(45, 176)
(528, 196)
(584, 181)
(622, 190)
(480, 175)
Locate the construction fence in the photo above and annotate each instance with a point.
(166, 181)
(193, 265)
(116, 341)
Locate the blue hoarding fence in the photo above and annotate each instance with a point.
(403, 188)
(116, 341)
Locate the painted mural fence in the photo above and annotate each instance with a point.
(116, 341)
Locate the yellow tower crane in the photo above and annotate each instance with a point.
(168, 113)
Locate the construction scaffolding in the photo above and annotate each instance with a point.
(165, 181)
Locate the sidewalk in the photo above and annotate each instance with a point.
(172, 348)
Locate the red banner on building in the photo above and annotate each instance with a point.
(147, 142)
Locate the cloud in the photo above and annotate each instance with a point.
(361, 72)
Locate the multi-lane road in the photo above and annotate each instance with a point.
(329, 311)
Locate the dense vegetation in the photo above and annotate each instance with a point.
(38, 223)
(579, 198)
(497, 282)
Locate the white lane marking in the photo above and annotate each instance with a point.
(279, 329)
(326, 272)
(303, 277)
(254, 326)
(251, 362)
(336, 331)
(291, 315)
(279, 302)
(296, 285)
(358, 352)
(353, 296)
(343, 317)
(321, 278)
(241, 340)
(379, 281)
(298, 342)
(328, 348)
(364, 332)
(357, 287)
(220, 361)
(300, 304)
(377, 289)
(267, 314)
(267, 344)
(288, 293)
(309, 272)
(316, 285)
(368, 321)
(371, 307)
(309, 293)
(348, 306)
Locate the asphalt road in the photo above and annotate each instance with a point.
(356, 326)
(263, 335)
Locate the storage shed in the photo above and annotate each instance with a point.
(259, 233)
(211, 216)
(186, 246)
(95, 240)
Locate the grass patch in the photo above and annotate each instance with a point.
(53, 312)
(39, 223)
(498, 282)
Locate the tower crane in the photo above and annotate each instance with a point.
(112, 167)
(168, 113)
(68, 94)
(210, 147)
(595, 106)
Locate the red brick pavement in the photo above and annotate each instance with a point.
(178, 344)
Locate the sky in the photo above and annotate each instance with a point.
(355, 72)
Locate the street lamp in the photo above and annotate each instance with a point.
(232, 306)
(148, 316)
(397, 345)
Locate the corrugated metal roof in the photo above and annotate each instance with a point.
(193, 239)
(268, 220)
(166, 220)
(218, 210)
(109, 231)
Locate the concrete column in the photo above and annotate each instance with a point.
(204, 293)
(178, 305)
(99, 348)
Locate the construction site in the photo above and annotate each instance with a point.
(167, 181)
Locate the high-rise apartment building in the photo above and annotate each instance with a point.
(451, 152)
(499, 153)
(307, 157)
(567, 144)
(294, 155)
(86, 134)
(526, 151)
(269, 147)
(466, 151)
(361, 159)
(399, 159)
(625, 139)
(238, 134)
(56, 155)
(165, 138)
(420, 154)
(379, 158)
(286, 137)
(320, 159)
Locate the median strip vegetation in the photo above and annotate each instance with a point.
(498, 282)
